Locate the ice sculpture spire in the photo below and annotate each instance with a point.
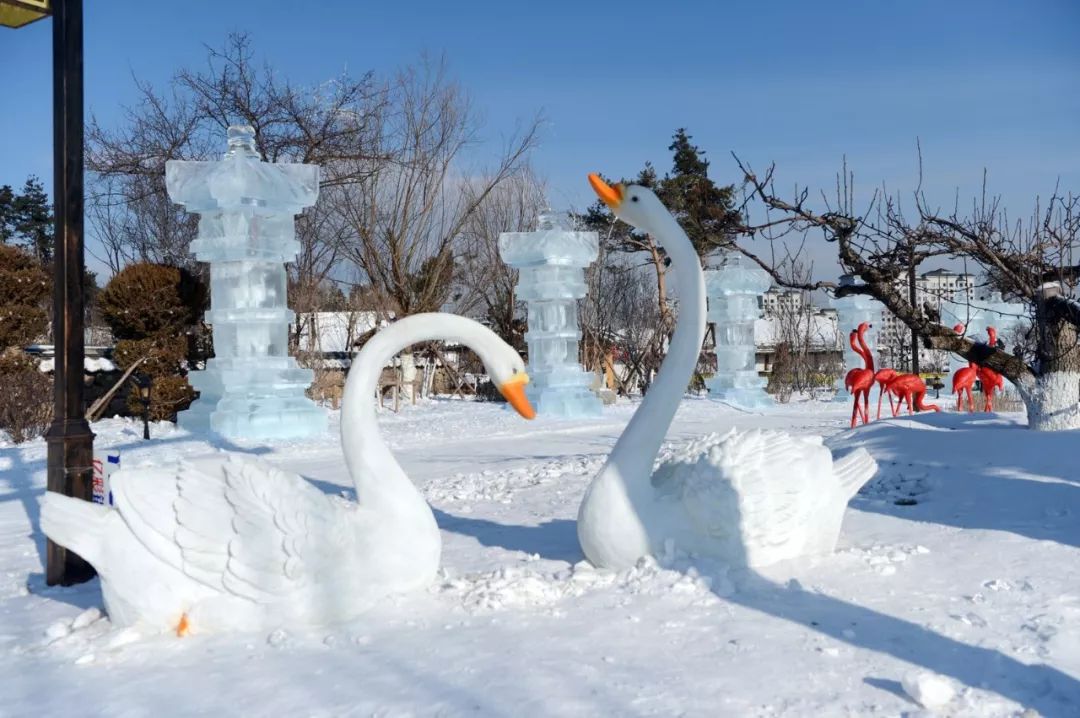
(851, 311)
(551, 263)
(734, 291)
(251, 388)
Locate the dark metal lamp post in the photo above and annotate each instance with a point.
(142, 382)
(70, 441)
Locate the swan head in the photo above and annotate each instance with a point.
(631, 203)
(507, 372)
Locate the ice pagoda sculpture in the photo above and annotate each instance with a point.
(978, 315)
(251, 388)
(851, 311)
(551, 263)
(734, 290)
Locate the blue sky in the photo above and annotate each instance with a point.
(982, 84)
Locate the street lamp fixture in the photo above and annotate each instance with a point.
(17, 13)
(142, 383)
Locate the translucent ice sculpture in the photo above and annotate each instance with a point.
(252, 388)
(551, 263)
(851, 311)
(734, 290)
(979, 314)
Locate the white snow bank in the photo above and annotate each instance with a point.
(960, 559)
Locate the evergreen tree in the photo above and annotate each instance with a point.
(687, 159)
(7, 209)
(32, 220)
(705, 211)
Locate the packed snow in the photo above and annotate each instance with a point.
(955, 589)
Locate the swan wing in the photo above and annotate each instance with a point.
(750, 489)
(232, 523)
(253, 530)
(776, 475)
(144, 497)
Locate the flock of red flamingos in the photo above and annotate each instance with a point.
(910, 389)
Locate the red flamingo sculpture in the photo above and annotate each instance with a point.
(883, 377)
(989, 378)
(860, 381)
(964, 379)
(910, 389)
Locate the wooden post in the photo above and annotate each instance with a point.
(70, 442)
(453, 373)
(912, 299)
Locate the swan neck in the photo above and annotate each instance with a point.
(375, 472)
(637, 447)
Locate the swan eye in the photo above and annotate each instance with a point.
(634, 198)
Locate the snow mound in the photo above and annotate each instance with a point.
(516, 587)
(501, 486)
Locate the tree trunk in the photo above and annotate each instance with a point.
(1053, 397)
(661, 283)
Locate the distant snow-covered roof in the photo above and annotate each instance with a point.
(821, 329)
(91, 365)
(334, 331)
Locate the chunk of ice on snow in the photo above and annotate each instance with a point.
(928, 689)
(57, 630)
(85, 618)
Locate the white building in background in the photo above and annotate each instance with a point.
(778, 301)
(931, 288)
(792, 312)
(817, 328)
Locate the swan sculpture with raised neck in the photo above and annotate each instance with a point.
(230, 542)
(749, 498)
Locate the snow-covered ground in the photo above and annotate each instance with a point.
(957, 582)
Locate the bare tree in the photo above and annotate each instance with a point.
(408, 210)
(804, 344)
(619, 237)
(621, 320)
(331, 124)
(489, 284)
(1030, 260)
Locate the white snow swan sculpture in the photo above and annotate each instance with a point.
(229, 542)
(745, 499)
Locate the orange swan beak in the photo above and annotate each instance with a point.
(612, 196)
(514, 392)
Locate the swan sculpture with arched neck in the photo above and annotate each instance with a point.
(749, 498)
(230, 542)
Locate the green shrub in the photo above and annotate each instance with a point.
(168, 395)
(24, 287)
(21, 325)
(164, 354)
(26, 411)
(143, 300)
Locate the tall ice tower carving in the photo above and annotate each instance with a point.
(252, 388)
(551, 266)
